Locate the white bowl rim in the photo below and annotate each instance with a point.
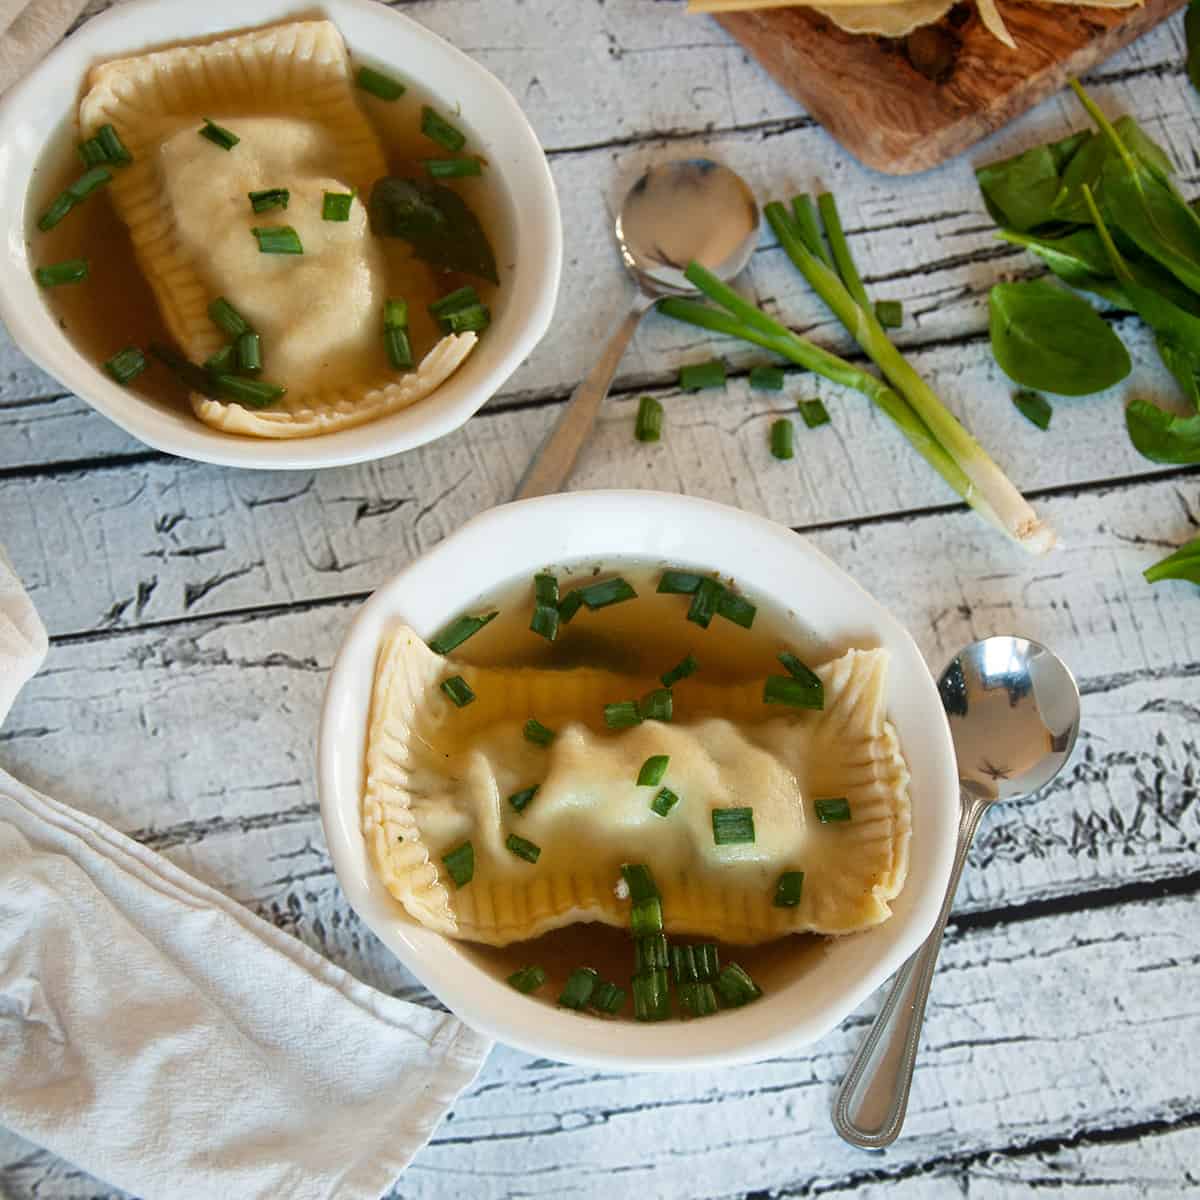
(367, 25)
(576, 527)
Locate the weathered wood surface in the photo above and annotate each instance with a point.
(195, 611)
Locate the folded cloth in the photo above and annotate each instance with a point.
(29, 29)
(165, 1039)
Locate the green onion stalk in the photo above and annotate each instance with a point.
(986, 482)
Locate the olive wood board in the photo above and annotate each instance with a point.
(868, 95)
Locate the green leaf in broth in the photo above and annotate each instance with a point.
(1019, 191)
(1162, 436)
(1052, 340)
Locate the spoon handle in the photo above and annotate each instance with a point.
(870, 1105)
(553, 462)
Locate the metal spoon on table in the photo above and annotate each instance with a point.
(1014, 713)
(677, 212)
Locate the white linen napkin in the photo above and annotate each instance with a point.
(165, 1039)
(29, 29)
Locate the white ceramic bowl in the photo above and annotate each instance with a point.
(34, 111)
(768, 561)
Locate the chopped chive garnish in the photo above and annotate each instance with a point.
(646, 917)
(545, 621)
(608, 591)
(651, 996)
(248, 348)
(767, 379)
(537, 733)
(736, 608)
(1033, 406)
(708, 960)
(836, 809)
(127, 364)
(268, 199)
(458, 690)
(579, 987)
(805, 676)
(473, 319)
(679, 583)
(463, 297)
(114, 149)
(569, 605)
(223, 361)
(437, 129)
(736, 987)
(378, 84)
(335, 206)
(254, 393)
(650, 952)
(522, 848)
(648, 426)
(527, 979)
(452, 168)
(218, 135)
(788, 888)
(545, 588)
(195, 378)
(785, 689)
(683, 964)
(277, 239)
(680, 671)
(70, 270)
(782, 434)
(657, 705)
(460, 862)
(227, 318)
(640, 882)
(520, 801)
(395, 314)
(697, 1000)
(399, 349)
(704, 602)
(623, 714)
(889, 313)
(92, 152)
(88, 182)
(696, 376)
(457, 632)
(732, 826)
(59, 207)
(813, 413)
(653, 770)
(608, 998)
(663, 802)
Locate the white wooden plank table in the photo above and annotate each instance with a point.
(194, 612)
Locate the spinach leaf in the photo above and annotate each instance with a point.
(436, 222)
(1144, 146)
(1191, 31)
(1085, 167)
(1163, 436)
(1052, 340)
(1019, 191)
(1077, 258)
(1183, 564)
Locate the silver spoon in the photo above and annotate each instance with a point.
(677, 212)
(1014, 713)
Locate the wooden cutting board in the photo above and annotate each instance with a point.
(866, 92)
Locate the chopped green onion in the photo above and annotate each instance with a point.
(545, 588)
(662, 804)
(452, 168)
(785, 689)
(437, 129)
(537, 733)
(92, 152)
(805, 219)
(463, 297)
(457, 632)
(608, 998)
(799, 671)
(399, 349)
(527, 979)
(227, 318)
(683, 964)
(708, 960)
(255, 393)
(520, 800)
(788, 888)
(640, 882)
(395, 314)
(697, 1000)
(680, 671)
(460, 862)
(646, 917)
(378, 84)
(704, 602)
(127, 364)
(223, 361)
(653, 770)
(736, 608)
(70, 270)
(458, 690)
(651, 996)
(522, 848)
(623, 714)
(782, 434)
(813, 413)
(545, 621)
(579, 987)
(732, 826)
(473, 319)
(195, 378)
(679, 583)
(218, 135)
(736, 987)
(767, 379)
(1033, 406)
(657, 705)
(569, 605)
(335, 206)
(277, 239)
(249, 352)
(608, 591)
(114, 148)
(889, 313)
(650, 953)
(88, 182)
(837, 809)
(268, 199)
(696, 376)
(648, 426)
(61, 205)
